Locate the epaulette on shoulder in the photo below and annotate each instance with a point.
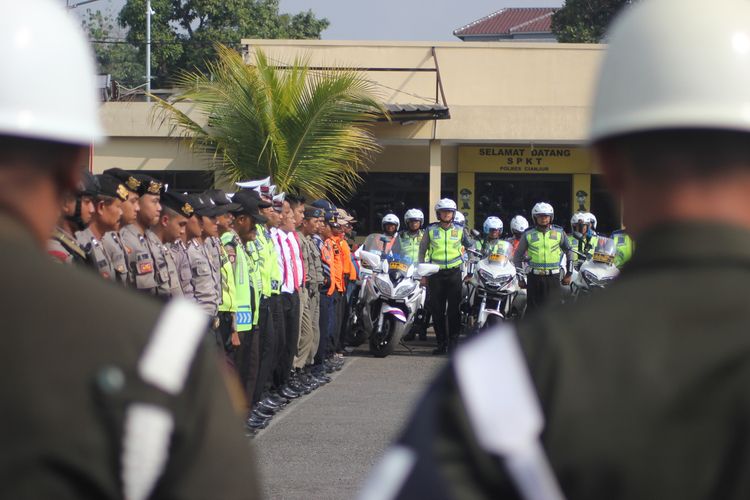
(557, 228)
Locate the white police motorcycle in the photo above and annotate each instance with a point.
(391, 296)
(494, 285)
(597, 271)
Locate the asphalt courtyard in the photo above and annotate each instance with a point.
(324, 445)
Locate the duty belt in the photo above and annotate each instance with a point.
(545, 272)
(445, 263)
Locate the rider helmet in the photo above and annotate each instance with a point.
(542, 209)
(459, 219)
(591, 220)
(491, 223)
(413, 214)
(519, 224)
(390, 219)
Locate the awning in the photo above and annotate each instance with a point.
(416, 112)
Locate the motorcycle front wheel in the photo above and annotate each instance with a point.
(380, 343)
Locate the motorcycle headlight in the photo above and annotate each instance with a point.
(592, 280)
(383, 284)
(403, 291)
(493, 282)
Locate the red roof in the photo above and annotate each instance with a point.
(510, 21)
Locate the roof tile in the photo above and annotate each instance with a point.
(511, 20)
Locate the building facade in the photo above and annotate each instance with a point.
(497, 126)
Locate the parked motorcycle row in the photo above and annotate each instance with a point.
(390, 295)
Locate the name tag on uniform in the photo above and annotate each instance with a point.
(554, 235)
(144, 263)
(436, 234)
(454, 233)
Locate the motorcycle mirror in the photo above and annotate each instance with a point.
(384, 238)
(372, 260)
(475, 233)
(577, 235)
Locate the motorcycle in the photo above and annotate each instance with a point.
(391, 296)
(495, 286)
(597, 271)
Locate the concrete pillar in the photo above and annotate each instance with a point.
(436, 161)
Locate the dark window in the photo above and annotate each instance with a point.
(191, 181)
(505, 196)
(448, 186)
(604, 206)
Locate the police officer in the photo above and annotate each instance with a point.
(106, 217)
(130, 208)
(624, 246)
(492, 229)
(546, 244)
(205, 293)
(180, 204)
(443, 240)
(77, 210)
(409, 242)
(518, 226)
(175, 211)
(641, 391)
(583, 238)
(105, 393)
(142, 267)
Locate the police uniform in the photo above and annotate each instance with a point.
(203, 284)
(545, 250)
(76, 428)
(141, 265)
(585, 246)
(111, 240)
(184, 273)
(167, 279)
(97, 256)
(488, 247)
(65, 249)
(624, 247)
(445, 249)
(409, 243)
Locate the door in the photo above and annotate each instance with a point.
(505, 196)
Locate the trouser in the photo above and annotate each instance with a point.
(224, 338)
(268, 347)
(314, 324)
(326, 324)
(290, 334)
(445, 290)
(247, 361)
(341, 314)
(304, 346)
(542, 290)
(279, 326)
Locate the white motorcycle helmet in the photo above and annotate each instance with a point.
(48, 89)
(445, 204)
(390, 219)
(684, 81)
(491, 223)
(579, 217)
(543, 209)
(591, 219)
(519, 224)
(414, 214)
(459, 219)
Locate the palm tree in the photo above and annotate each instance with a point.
(309, 130)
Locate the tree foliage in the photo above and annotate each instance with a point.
(309, 130)
(183, 32)
(585, 21)
(117, 59)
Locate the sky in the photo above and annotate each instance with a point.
(429, 20)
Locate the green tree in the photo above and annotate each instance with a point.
(183, 32)
(120, 60)
(309, 130)
(585, 21)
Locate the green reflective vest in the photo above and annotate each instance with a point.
(488, 247)
(256, 276)
(410, 244)
(624, 246)
(579, 246)
(270, 270)
(544, 248)
(445, 246)
(241, 271)
(228, 287)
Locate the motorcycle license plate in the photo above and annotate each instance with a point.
(605, 259)
(497, 258)
(398, 266)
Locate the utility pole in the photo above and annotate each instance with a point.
(148, 50)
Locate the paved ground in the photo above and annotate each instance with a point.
(323, 445)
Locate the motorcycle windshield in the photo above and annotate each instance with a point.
(398, 262)
(379, 243)
(500, 253)
(605, 250)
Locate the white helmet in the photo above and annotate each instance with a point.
(48, 88)
(579, 217)
(390, 219)
(519, 224)
(591, 220)
(446, 204)
(414, 214)
(491, 223)
(542, 209)
(683, 80)
(459, 219)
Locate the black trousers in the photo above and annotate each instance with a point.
(267, 334)
(291, 312)
(542, 290)
(445, 297)
(247, 361)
